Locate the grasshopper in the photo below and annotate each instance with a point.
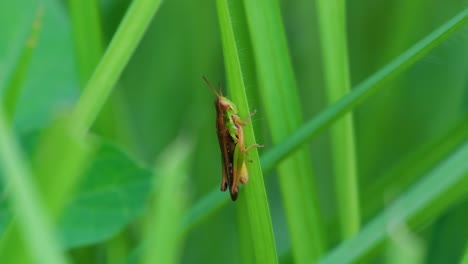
(229, 128)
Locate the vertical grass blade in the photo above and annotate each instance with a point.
(34, 223)
(253, 197)
(332, 25)
(279, 96)
(87, 36)
(435, 192)
(115, 58)
(163, 222)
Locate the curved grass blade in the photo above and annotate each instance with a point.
(435, 192)
(413, 165)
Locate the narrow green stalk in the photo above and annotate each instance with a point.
(87, 36)
(15, 84)
(332, 24)
(163, 222)
(114, 60)
(35, 226)
(281, 103)
(253, 196)
(446, 184)
(214, 200)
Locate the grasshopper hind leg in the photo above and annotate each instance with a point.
(224, 180)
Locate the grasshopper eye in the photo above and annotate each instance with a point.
(226, 105)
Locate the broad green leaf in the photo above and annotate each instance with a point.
(113, 193)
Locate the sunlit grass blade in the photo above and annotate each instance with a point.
(446, 184)
(324, 119)
(114, 60)
(332, 25)
(279, 96)
(35, 226)
(465, 256)
(362, 91)
(87, 36)
(165, 215)
(15, 83)
(403, 246)
(253, 197)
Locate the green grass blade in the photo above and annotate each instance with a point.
(435, 192)
(281, 103)
(36, 228)
(362, 91)
(114, 60)
(404, 247)
(332, 25)
(163, 222)
(412, 166)
(253, 198)
(213, 201)
(87, 36)
(57, 181)
(13, 89)
(465, 257)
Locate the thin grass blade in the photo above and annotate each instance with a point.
(332, 25)
(253, 200)
(114, 60)
(436, 191)
(34, 223)
(279, 96)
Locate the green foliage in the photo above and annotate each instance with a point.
(90, 105)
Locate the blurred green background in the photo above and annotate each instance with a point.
(161, 96)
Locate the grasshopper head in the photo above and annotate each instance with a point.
(226, 104)
(220, 100)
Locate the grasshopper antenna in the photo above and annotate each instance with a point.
(219, 94)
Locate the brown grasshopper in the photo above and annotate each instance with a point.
(229, 128)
